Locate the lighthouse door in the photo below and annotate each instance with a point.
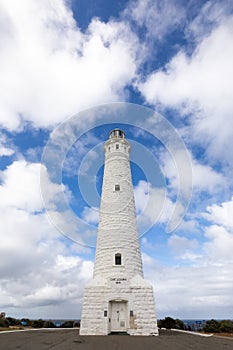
(118, 316)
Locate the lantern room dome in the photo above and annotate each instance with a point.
(117, 133)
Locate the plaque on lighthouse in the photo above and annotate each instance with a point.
(118, 298)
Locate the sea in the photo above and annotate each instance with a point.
(195, 325)
(59, 322)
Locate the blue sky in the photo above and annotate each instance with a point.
(66, 58)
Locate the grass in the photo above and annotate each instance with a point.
(5, 329)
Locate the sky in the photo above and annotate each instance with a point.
(71, 71)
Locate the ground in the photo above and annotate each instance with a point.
(69, 339)
(228, 335)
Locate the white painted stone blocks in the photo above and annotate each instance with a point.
(118, 294)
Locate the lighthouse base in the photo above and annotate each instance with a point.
(116, 305)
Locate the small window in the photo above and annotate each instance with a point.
(109, 148)
(105, 313)
(118, 259)
(131, 313)
(117, 146)
(117, 187)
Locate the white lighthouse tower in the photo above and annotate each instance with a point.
(118, 299)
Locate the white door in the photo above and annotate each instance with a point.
(118, 316)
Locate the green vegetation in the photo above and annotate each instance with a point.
(169, 322)
(3, 323)
(42, 324)
(67, 324)
(213, 326)
(11, 322)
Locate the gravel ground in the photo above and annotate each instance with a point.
(70, 340)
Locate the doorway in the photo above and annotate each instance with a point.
(118, 318)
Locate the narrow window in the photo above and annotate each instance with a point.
(117, 146)
(117, 187)
(109, 148)
(105, 313)
(118, 259)
(131, 313)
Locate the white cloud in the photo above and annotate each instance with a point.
(180, 245)
(20, 186)
(87, 162)
(210, 15)
(141, 195)
(24, 241)
(48, 284)
(189, 225)
(203, 287)
(200, 85)
(221, 214)
(39, 269)
(207, 179)
(219, 235)
(199, 79)
(62, 287)
(5, 148)
(198, 291)
(220, 243)
(23, 221)
(157, 204)
(50, 69)
(158, 17)
(91, 215)
(204, 177)
(152, 205)
(6, 151)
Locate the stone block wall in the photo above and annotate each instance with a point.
(96, 315)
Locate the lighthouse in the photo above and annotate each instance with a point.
(118, 298)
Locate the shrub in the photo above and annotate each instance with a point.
(212, 326)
